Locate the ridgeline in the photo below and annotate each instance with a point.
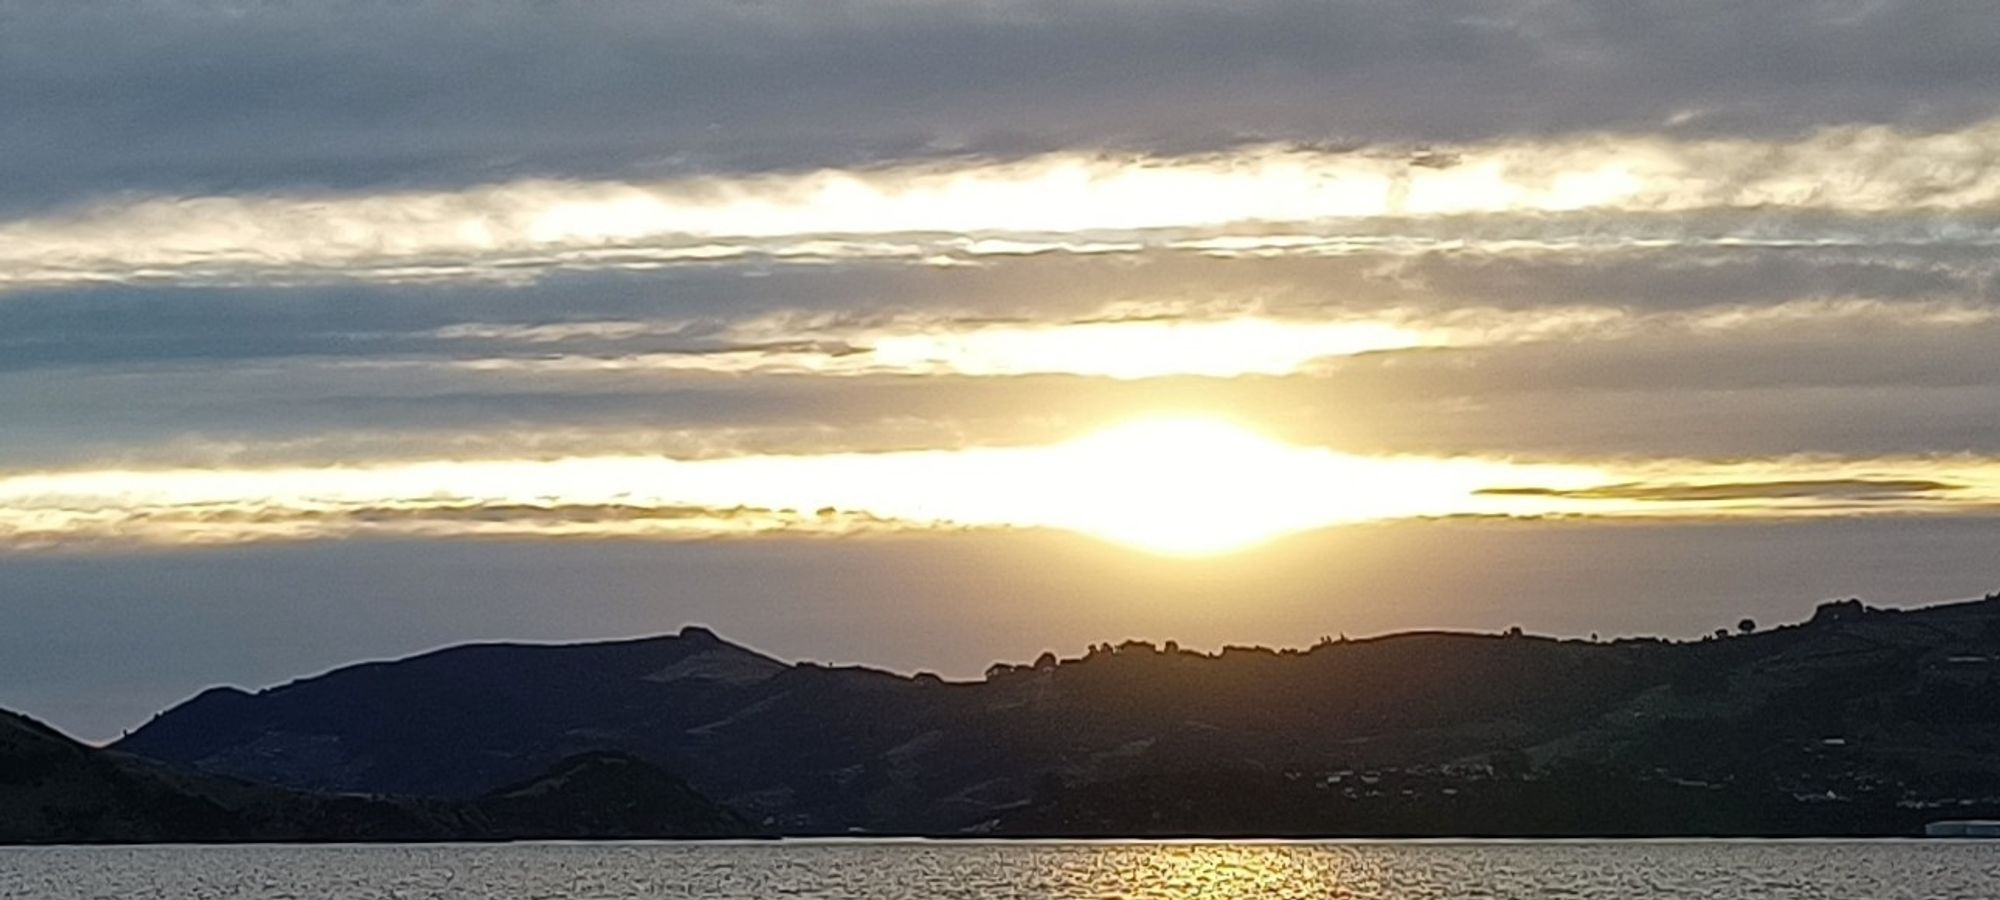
(1856, 722)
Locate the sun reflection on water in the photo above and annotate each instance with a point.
(1172, 871)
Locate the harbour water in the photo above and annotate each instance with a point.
(916, 870)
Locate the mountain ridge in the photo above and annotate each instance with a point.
(807, 748)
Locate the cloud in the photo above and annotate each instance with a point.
(1125, 483)
(253, 521)
(217, 96)
(1177, 485)
(1551, 193)
(608, 313)
(725, 229)
(1221, 346)
(1863, 489)
(1844, 377)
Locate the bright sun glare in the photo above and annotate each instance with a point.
(1181, 486)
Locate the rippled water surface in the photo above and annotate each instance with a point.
(907, 871)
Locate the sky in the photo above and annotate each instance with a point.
(927, 334)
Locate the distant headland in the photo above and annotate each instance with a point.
(1857, 721)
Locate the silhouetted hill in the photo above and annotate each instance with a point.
(605, 795)
(1860, 721)
(456, 722)
(55, 790)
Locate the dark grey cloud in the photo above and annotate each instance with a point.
(1858, 489)
(311, 373)
(218, 96)
(1446, 404)
(1705, 424)
(693, 306)
(1862, 356)
(1692, 277)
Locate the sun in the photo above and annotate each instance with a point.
(1181, 486)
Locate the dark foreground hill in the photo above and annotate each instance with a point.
(1858, 722)
(55, 790)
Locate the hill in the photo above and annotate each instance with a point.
(1859, 721)
(55, 790)
(604, 795)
